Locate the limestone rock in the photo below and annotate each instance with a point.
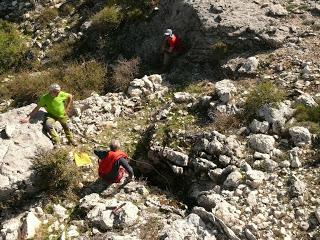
(184, 228)
(249, 66)
(210, 200)
(134, 92)
(233, 179)
(224, 89)
(179, 158)
(60, 211)
(181, 97)
(105, 219)
(29, 226)
(297, 187)
(255, 178)
(214, 147)
(277, 10)
(294, 158)
(9, 130)
(307, 100)
(259, 127)
(262, 143)
(300, 135)
(25, 142)
(317, 214)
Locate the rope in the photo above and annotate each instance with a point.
(143, 162)
(138, 161)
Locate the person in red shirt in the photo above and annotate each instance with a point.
(171, 47)
(113, 164)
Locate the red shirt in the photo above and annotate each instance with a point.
(174, 42)
(106, 164)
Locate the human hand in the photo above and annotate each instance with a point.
(24, 120)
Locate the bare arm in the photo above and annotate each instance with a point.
(69, 103)
(30, 115)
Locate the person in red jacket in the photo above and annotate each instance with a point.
(171, 47)
(113, 164)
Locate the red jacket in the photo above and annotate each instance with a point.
(106, 164)
(174, 42)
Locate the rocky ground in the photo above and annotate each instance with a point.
(220, 173)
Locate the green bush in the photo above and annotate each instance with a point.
(47, 16)
(109, 18)
(66, 9)
(12, 46)
(59, 52)
(27, 88)
(124, 72)
(307, 114)
(78, 79)
(81, 80)
(263, 93)
(219, 51)
(55, 173)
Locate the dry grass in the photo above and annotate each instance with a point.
(263, 93)
(47, 16)
(78, 79)
(151, 229)
(124, 72)
(108, 19)
(225, 122)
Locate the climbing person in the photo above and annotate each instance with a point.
(171, 47)
(113, 164)
(58, 105)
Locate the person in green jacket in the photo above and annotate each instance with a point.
(58, 105)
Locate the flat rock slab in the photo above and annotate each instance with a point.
(17, 150)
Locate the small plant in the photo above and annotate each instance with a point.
(224, 122)
(12, 46)
(264, 93)
(304, 114)
(66, 9)
(47, 16)
(291, 7)
(151, 229)
(56, 174)
(109, 18)
(60, 52)
(124, 72)
(219, 50)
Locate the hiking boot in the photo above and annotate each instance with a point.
(72, 143)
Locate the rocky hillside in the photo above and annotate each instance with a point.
(230, 152)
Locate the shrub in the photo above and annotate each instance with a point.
(66, 9)
(47, 16)
(12, 46)
(78, 79)
(27, 88)
(264, 93)
(55, 173)
(109, 18)
(124, 72)
(219, 51)
(59, 52)
(305, 114)
(81, 80)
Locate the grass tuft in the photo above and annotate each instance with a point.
(263, 93)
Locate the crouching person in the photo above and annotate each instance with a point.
(113, 164)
